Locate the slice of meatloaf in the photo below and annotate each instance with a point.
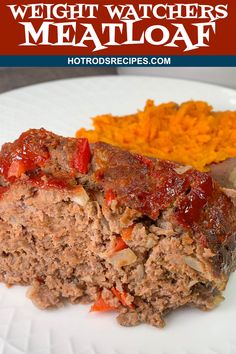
(98, 224)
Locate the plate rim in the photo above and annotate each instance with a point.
(128, 76)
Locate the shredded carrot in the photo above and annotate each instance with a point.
(190, 133)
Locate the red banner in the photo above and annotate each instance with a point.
(118, 28)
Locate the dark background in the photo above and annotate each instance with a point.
(11, 78)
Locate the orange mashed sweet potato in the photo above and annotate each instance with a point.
(190, 133)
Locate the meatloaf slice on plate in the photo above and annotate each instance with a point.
(94, 223)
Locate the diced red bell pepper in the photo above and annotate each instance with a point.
(110, 196)
(82, 156)
(101, 305)
(16, 169)
(120, 244)
(121, 297)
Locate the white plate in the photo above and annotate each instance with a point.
(64, 106)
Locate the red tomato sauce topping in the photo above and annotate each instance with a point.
(25, 154)
(191, 206)
(29, 154)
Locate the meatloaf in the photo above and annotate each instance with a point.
(96, 224)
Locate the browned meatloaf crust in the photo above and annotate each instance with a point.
(98, 224)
